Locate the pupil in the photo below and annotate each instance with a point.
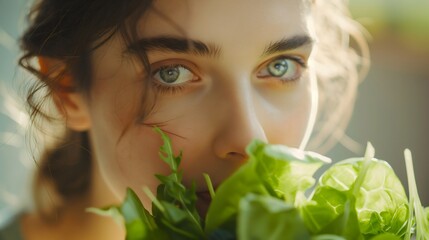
(169, 75)
(278, 68)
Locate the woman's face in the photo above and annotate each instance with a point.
(242, 77)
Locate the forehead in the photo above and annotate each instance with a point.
(220, 20)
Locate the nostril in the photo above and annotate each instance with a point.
(236, 156)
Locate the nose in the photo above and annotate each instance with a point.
(239, 124)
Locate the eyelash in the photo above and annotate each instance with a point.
(299, 60)
(165, 89)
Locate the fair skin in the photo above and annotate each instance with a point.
(221, 100)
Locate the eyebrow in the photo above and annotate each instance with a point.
(184, 45)
(287, 44)
(175, 44)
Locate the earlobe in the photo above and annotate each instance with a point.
(70, 103)
(74, 110)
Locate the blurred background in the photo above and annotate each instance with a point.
(15, 160)
(392, 109)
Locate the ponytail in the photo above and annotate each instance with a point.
(63, 174)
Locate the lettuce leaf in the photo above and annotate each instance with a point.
(358, 197)
(265, 217)
(272, 170)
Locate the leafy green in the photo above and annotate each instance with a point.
(286, 172)
(357, 198)
(139, 224)
(386, 236)
(272, 170)
(265, 217)
(421, 214)
(178, 214)
(327, 237)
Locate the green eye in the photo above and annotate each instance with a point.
(169, 74)
(173, 75)
(282, 69)
(278, 67)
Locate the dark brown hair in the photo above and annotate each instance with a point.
(68, 31)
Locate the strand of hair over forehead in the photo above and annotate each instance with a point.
(339, 69)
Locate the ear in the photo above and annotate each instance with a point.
(70, 103)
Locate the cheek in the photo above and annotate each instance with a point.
(293, 120)
(138, 158)
(131, 161)
(126, 153)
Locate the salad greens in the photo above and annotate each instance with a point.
(357, 198)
